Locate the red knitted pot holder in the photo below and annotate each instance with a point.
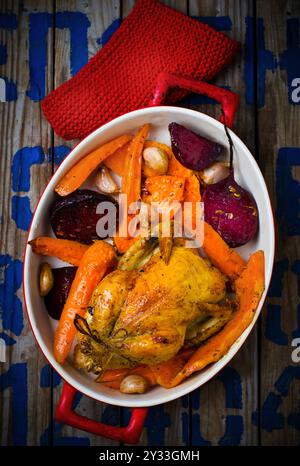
(122, 75)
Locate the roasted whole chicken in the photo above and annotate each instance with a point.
(147, 314)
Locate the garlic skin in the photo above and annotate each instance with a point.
(215, 173)
(156, 162)
(46, 280)
(134, 384)
(104, 181)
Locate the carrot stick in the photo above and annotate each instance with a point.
(118, 160)
(131, 182)
(82, 169)
(64, 249)
(93, 265)
(220, 254)
(192, 194)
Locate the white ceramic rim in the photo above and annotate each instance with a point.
(215, 367)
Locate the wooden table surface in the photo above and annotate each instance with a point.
(256, 399)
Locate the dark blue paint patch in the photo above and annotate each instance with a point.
(296, 271)
(110, 415)
(273, 330)
(276, 285)
(294, 420)
(265, 61)
(220, 23)
(22, 161)
(234, 429)
(16, 379)
(185, 401)
(290, 58)
(185, 428)
(109, 32)
(288, 375)
(197, 99)
(11, 311)
(296, 333)
(20, 211)
(249, 61)
(59, 440)
(288, 191)
(7, 22)
(39, 23)
(195, 398)
(11, 94)
(233, 387)
(3, 54)
(45, 377)
(8, 340)
(197, 439)
(59, 154)
(270, 418)
(156, 423)
(78, 24)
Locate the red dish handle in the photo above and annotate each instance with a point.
(66, 415)
(166, 81)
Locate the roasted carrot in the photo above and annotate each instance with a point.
(113, 377)
(118, 160)
(163, 188)
(176, 169)
(220, 254)
(93, 265)
(64, 249)
(74, 178)
(131, 182)
(122, 244)
(249, 289)
(192, 194)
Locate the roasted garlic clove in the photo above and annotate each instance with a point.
(104, 181)
(46, 280)
(155, 162)
(134, 384)
(215, 173)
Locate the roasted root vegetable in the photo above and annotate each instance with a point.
(163, 189)
(74, 178)
(117, 162)
(220, 254)
(131, 181)
(231, 210)
(56, 298)
(215, 173)
(65, 250)
(75, 216)
(192, 150)
(93, 266)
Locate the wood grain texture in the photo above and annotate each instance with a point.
(210, 413)
(22, 125)
(278, 127)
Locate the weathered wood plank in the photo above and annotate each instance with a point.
(94, 17)
(24, 405)
(214, 418)
(278, 128)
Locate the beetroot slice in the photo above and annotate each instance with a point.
(231, 210)
(192, 150)
(56, 298)
(74, 216)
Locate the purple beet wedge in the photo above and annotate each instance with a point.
(231, 210)
(192, 150)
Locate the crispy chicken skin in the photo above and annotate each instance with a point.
(144, 316)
